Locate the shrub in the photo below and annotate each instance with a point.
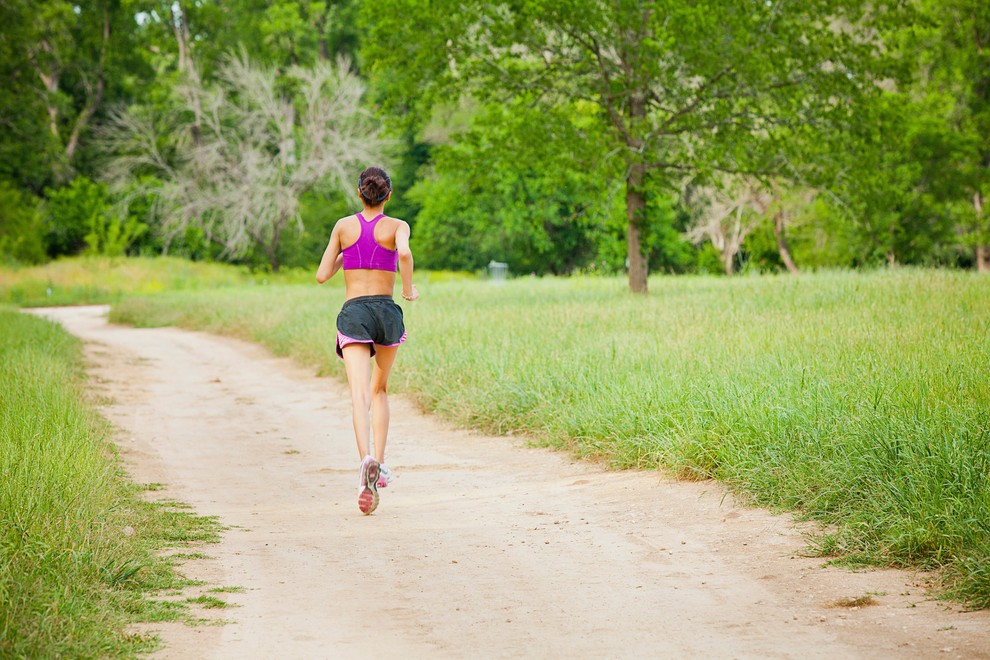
(21, 227)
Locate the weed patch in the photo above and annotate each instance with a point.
(858, 601)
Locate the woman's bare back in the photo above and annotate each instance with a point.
(366, 282)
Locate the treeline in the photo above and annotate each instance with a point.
(558, 136)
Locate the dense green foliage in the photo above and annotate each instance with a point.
(673, 90)
(558, 137)
(78, 546)
(858, 399)
(21, 229)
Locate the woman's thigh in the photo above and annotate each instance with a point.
(384, 359)
(357, 363)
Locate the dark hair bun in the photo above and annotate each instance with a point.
(374, 185)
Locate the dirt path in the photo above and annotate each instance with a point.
(481, 548)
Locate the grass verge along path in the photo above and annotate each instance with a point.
(78, 545)
(93, 280)
(858, 399)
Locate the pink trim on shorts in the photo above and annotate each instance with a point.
(344, 340)
(402, 340)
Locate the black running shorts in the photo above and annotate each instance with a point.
(373, 320)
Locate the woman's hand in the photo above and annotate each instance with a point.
(412, 296)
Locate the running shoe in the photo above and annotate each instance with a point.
(368, 493)
(384, 476)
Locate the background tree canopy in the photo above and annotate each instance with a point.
(558, 137)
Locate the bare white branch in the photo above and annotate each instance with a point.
(726, 213)
(258, 151)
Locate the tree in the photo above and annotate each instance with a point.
(25, 144)
(76, 52)
(726, 214)
(21, 227)
(780, 205)
(257, 153)
(280, 33)
(72, 212)
(501, 192)
(897, 177)
(952, 49)
(683, 89)
(61, 63)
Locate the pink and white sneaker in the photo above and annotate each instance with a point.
(369, 474)
(384, 476)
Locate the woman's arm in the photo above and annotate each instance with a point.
(332, 257)
(409, 291)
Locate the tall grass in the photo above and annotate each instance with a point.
(92, 280)
(861, 400)
(77, 544)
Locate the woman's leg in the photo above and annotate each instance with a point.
(384, 359)
(357, 364)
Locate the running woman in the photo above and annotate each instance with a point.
(369, 245)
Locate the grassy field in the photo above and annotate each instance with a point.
(861, 400)
(98, 280)
(79, 547)
(92, 280)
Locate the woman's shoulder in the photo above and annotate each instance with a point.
(346, 221)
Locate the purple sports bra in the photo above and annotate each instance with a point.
(366, 252)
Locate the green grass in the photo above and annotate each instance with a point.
(860, 400)
(98, 280)
(209, 602)
(78, 546)
(227, 590)
(93, 280)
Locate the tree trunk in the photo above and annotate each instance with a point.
(269, 244)
(635, 209)
(321, 26)
(732, 243)
(50, 82)
(982, 248)
(728, 261)
(180, 27)
(97, 98)
(636, 200)
(270, 250)
(50, 79)
(782, 247)
(83, 120)
(779, 230)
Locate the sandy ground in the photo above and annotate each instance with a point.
(482, 547)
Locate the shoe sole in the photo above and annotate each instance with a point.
(368, 498)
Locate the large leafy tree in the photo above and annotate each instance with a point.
(952, 47)
(25, 144)
(683, 88)
(281, 33)
(501, 192)
(61, 63)
(79, 57)
(900, 181)
(907, 179)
